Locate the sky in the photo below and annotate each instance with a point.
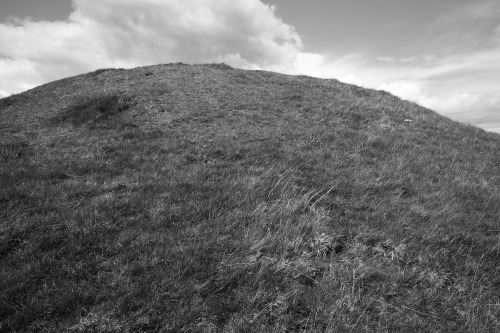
(444, 55)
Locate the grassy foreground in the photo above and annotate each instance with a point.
(203, 198)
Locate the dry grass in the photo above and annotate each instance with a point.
(204, 198)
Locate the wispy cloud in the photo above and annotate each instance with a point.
(455, 86)
(424, 57)
(386, 59)
(464, 27)
(473, 10)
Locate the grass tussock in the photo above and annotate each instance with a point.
(104, 70)
(237, 201)
(13, 150)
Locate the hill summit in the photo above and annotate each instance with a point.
(205, 198)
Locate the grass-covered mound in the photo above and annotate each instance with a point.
(204, 198)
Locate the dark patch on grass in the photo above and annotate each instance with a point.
(13, 150)
(13, 100)
(37, 173)
(10, 197)
(93, 110)
(9, 245)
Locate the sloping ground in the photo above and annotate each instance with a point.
(205, 198)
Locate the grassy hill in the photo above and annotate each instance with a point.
(204, 198)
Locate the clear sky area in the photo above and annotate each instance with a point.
(443, 54)
(36, 9)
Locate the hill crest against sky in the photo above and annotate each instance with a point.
(206, 198)
(143, 82)
(442, 55)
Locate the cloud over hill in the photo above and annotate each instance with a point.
(120, 33)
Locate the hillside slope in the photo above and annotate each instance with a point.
(206, 198)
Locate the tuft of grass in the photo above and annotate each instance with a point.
(12, 150)
(222, 66)
(104, 70)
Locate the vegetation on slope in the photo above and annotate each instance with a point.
(204, 198)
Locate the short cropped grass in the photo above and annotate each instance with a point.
(223, 200)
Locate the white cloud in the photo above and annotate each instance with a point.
(386, 59)
(429, 57)
(491, 127)
(324, 66)
(413, 91)
(495, 39)
(351, 79)
(128, 33)
(410, 91)
(425, 57)
(408, 59)
(307, 64)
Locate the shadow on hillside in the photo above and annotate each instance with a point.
(92, 110)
